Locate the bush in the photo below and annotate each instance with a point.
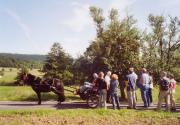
(1, 73)
(2, 69)
(176, 73)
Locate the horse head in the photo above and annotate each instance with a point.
(28, 78)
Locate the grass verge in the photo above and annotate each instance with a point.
(87, 117)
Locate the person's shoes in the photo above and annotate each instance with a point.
(146, 107)
(157, 109)
(108, 101)
(173, 109)
(151, 104)
(134, 107)
(118, 108)
(128, 107)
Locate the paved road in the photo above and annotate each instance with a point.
(8, 105)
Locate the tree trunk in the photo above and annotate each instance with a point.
(122, 90)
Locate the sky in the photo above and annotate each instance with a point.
(32, 26)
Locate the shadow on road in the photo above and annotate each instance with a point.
(67, 105)
(74, 105)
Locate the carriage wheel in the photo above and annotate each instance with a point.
(92, 101)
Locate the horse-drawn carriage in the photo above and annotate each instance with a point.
(86, 92)
(89, 93)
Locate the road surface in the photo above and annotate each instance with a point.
(13, 105)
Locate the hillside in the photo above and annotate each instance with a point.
(27, 57)
(19, 60)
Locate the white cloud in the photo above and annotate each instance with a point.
(73, 45)
(20, 23)
(80, 17)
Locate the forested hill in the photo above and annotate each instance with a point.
(24, 56)
(20, 60)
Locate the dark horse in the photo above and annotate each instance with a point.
(54, 85)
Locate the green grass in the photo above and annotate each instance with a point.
(9, 76)
(74, 116)
(25, 93)
(155, 93)
(87, 117)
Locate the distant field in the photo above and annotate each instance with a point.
(87, 117)
(10, 75)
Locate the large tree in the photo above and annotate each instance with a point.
(58, 64)
(116, 46)
(161, 44)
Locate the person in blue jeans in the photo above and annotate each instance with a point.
(144, 82)
(114, 91)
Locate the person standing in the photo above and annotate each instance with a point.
(102, 88)
(164, 85)
(150, 88)
(107, 80)
(131, 86)
(114, 91)
(95, 76)
(172, 92)
(144, 82)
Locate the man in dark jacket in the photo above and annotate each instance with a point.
(102, 88)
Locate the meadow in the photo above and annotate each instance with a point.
(9, 92)
(75, 116)
(9, 77)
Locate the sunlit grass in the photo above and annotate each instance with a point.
(87, 117)
(10, 75)
(25, 93)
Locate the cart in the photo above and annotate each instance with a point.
(87, 92)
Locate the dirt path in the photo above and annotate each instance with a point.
(8, 105)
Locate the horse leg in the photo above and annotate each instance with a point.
(58, 94)
(39, 98)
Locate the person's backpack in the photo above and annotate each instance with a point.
(164, 84)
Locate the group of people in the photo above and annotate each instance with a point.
(108, 87)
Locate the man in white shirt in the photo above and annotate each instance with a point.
(108, 80)
(144, 81)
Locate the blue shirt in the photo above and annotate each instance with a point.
(114, 86)
(132, 80)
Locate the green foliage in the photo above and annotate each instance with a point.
(58, 64)
(20, 60)
(1, 73)
(67, 77)
(161, 47)
(10, 69)
(20, 74)
(2, 69)
(81, 69)
(116, 47)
